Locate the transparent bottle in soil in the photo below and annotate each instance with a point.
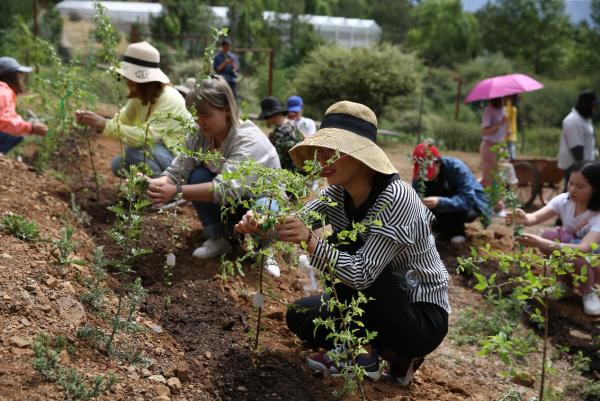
(311, 286)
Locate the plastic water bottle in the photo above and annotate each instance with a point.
(170, 261)
(305, 264)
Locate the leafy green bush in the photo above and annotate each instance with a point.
(591, 392)
(19, 227)
(456, 135)
(542, 141)
(372, 76)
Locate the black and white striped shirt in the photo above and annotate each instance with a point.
(403, 242)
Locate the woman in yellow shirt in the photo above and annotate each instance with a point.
(151, 120)
(510, 110)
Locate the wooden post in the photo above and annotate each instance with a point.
(271, 62)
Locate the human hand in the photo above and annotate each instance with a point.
(292, 229)
(520, 217)
(91, 119)
(531, 240)
(161, 190)
(431, 202)
(39, 129)
(248, 224)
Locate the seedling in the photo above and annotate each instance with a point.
(19, 227)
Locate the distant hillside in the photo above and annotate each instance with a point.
(577, 10)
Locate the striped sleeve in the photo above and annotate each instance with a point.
(360, 270)
(323, 206)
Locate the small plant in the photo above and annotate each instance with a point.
(591, 392)
(423, 163)
(95, 297)
(64, 247)
(532, 278)
(47, 362)
(19, 227)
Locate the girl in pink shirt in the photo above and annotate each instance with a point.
(12, 126)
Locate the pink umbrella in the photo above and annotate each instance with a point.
(503, 85)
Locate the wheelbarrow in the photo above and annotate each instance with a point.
(537, 177)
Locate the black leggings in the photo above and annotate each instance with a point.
(407, 329)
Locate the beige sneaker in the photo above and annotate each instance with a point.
(211, 248)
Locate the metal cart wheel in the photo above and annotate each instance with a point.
(529, 182)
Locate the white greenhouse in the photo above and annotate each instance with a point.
(122, 14)
(345, 32)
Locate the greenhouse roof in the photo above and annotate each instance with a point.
(117, 6)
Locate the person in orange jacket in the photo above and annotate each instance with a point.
(12, 126)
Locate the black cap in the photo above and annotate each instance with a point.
(270, 106)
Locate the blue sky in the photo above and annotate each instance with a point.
(577, 10)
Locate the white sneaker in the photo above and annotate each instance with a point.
(458, 240)
(271, 266)
(212, 248)
(591, 304)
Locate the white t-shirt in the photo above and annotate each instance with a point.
(306, 126)
(576, 131)
(565, 207)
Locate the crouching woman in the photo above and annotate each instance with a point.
(579, 211)
(395, 263)
(220, 129)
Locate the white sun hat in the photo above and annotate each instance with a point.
(141, 64)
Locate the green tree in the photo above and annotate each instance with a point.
(372, 76)
(393, 16)
(442, 33)
(185, 25)
(534, 33)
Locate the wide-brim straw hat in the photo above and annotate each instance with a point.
(141, 64)
(351, 129)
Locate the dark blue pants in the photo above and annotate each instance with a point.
(7, 142)
(210, 213)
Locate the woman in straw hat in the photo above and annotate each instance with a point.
(395, 263)
(220, 129)
(152, 120)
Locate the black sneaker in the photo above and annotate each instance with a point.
(402, 369)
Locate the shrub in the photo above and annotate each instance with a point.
(19, 227)
(456, 135)
(372, 76)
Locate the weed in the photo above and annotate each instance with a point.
(591, 392)
(19, 227)
(75, 387)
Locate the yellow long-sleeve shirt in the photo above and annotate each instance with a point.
(135, 118)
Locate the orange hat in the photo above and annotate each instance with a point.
(428, 154)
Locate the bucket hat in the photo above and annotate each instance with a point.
(351, 129)
(141, 64)
(428, 154)
(270, 106)
(9, 64)
(187, 86)
(295, 104)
